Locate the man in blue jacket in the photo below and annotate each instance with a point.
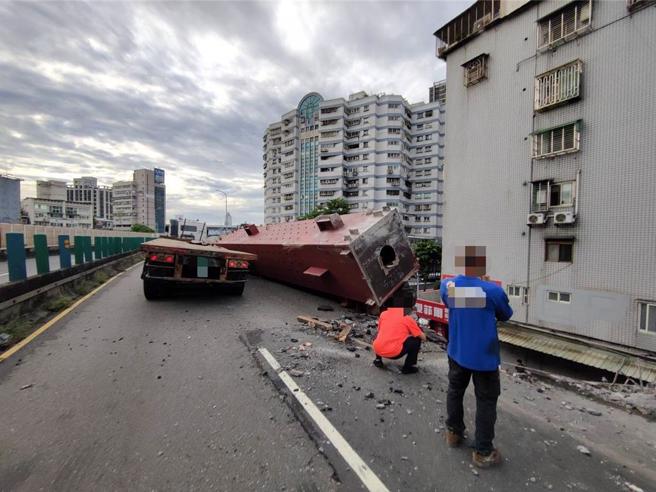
(474, 305)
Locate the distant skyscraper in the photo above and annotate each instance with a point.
(141, 201)
(437, 92)
(9, 200)
(160, 200)
(86, 190)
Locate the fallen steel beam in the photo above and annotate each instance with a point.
(363, 257)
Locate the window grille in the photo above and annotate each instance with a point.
(556, 141)
(558, 86)
(564, 24)
(475, 70)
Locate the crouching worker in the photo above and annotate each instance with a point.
(398, 334)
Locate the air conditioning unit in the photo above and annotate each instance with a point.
(564, 218)
(482, 22)
(536, 219)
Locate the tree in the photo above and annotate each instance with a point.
(141, 228)
(429, 254)
(334, 206)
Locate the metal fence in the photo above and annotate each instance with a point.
(52, 234)
(81, 248)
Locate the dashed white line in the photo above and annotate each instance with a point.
(357, 464)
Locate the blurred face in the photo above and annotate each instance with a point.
(471, 261)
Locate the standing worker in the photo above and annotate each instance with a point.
(474, 306)
(398, 334)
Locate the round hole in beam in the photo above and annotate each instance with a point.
(388, 256)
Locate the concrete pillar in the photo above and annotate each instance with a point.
(16, 256)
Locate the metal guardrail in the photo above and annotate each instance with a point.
(85, 249)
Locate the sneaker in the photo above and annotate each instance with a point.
(379, 363)
(409, 370)
(486, 461)
(453, 439)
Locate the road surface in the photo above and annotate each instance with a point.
(125, 394)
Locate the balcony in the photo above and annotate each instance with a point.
(472, 21)
(558, 86)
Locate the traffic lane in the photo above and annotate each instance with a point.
(154, 395)
(397, 423)
(30, 265)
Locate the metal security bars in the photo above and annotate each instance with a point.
(558, 86)
(556, 141)
(475, 70)
(564, 23)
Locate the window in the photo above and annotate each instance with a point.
(647, 317)
(365, 157)
(429, 113)
(556, 296)
(556, 141)
(392, 192)
(393, 106)
(540, 193)
(562, 194)
(559, 250)
(427, 160)
(429, 137)
(394, 131)
(393, 118)
(393, 155)
(393, 143)
(420, 138)
(564, 24)
(475, 70)
(514, 291)
(558, 86)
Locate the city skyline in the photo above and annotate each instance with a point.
(86, 97)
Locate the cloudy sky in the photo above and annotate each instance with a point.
(101, 89)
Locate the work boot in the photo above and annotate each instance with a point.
(409, 370)
(486, 461)
(378, 362)
(453, 439)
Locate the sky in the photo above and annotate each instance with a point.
(101, 89)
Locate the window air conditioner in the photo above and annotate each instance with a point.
(535, 219)
(564, 218)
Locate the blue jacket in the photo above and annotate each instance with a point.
(473, 339)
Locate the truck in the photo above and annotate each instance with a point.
(170, 263)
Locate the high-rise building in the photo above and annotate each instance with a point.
(86, 190)
(551, 135)
(52, 189)
(9, 200)
(373, 151)
(140, 201)
(437, 92)
(124, 204)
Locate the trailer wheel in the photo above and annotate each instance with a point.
(151, 290)
(236, 289)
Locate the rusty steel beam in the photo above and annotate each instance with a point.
(362, 257)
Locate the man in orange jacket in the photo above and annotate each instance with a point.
(398, 335)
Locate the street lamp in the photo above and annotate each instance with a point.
(226, 205)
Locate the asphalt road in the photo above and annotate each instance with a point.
(136, 395)
(30, 264)
(133, 395)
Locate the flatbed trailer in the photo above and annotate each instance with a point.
(173, 263)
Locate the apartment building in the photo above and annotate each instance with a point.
(552, 128)
(140, 201)
(372, 150)
(57, 213)
(124, 204)
(9, 200)
(86, 190)
(51, 189)
(437, 92)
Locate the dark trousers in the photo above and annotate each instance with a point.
(487, 388)
(411, 347)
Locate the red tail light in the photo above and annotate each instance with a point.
(237, 264)
(153, 257)
(169, 259)
(162, 258)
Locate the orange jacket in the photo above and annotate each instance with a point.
(393, 329)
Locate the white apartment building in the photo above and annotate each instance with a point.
(373, 151)
(86, 190)
(52, 189)
(124, 204)
(552, 131)
(140, 201)
(58, 213)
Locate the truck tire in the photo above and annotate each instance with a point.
(151, 290)
(236, 289)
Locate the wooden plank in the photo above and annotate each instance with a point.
(345, 329)
(315, 323)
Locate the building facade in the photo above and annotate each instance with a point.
(140, 201)
(373, 151)
(550, 137)
(51, 189)
(10, 206)
(86, 190)
(437, 92)
(124, 205)
(58, 213)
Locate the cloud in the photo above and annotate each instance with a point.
(104, 88)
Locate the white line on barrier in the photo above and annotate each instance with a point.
(357, 464)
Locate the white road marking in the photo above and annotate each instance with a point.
(357, 464)
(3, 274)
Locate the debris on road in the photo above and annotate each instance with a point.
(27, 386)
(296, 373)
(583, 450)
(325, 307)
